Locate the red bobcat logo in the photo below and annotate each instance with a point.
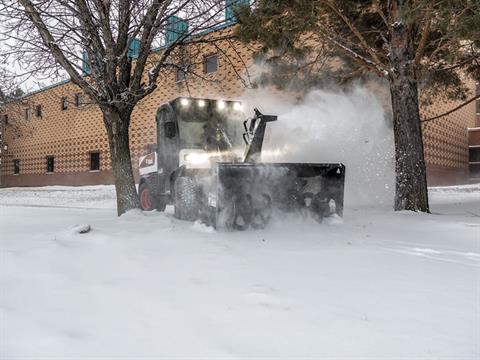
(149, 160)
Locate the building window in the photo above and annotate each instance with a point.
(50, 164)
(94, 161)
(64, 103)
(78, 100)
(28, 114)
(181, 74)
(5, 119)
(38, 110)
(210, 64)
(16, 167)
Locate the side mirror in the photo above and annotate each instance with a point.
(170, 130)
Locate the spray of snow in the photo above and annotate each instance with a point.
(335, 127)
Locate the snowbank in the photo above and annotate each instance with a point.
(145, 285)
(87, 197)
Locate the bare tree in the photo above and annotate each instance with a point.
(110, 49)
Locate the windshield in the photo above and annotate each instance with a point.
(217, 132)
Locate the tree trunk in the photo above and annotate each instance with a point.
(411, 191)
(117, 124)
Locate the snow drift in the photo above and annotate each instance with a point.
(382, 285)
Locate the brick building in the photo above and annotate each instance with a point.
(55, 137)
(57, 129)
(474, 144)
(446, 140)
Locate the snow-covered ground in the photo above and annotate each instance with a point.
(379, 285)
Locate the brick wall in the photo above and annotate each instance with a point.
(71, 135)
(446, 141)
(68, 135)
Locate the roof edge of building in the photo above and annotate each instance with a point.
(155, 50)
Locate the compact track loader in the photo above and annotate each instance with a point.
(207, 165)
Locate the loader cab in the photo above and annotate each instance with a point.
(192, 134)
(208, 166)
(190, 129)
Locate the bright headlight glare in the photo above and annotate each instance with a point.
(221, 105)
(184, 102)
(196, 158)
(201, 103)
(237, 106)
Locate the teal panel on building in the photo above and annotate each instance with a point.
(85, 66)
(134, 49)
(230, 6)
(176, 28)
(133, 52)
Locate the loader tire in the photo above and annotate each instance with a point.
(148, 201)
(186, 202)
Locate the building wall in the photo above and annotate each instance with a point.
(71, 135)
(446, 141)
(474, 149)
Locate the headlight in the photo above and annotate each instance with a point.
(196, 158)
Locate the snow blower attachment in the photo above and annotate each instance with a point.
(248, 194)
(208, 166)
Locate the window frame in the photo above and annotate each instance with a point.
(52, 158)
(38, 110)
(78, 98)
(205, 63)
(28, 114)
(92, 153)
(181, 69)
(64, 103)
(16, 167)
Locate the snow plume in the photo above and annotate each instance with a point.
(350, 127)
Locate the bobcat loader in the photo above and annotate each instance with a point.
(208, 166)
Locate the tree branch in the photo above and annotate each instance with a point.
(423, 40)
(355, 31)
(476, 98)
(375, 67)
(50, 43)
